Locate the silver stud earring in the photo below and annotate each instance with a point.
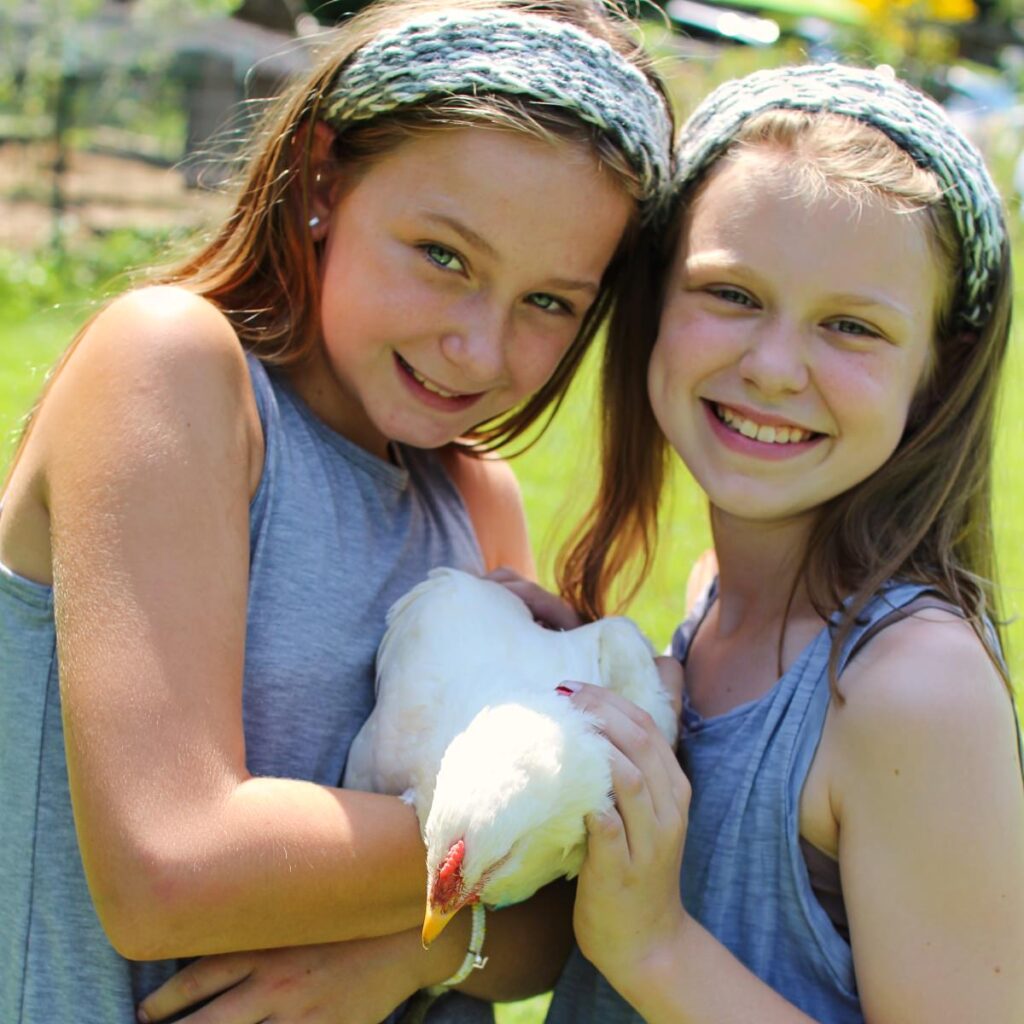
(314, 221)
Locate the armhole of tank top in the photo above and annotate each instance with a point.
(263, 395)
(834, 905)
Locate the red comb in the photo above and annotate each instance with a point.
(448, 884)
(453, 861)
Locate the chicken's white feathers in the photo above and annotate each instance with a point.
(466, 702)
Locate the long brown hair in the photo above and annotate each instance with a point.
(924, 516)
(260, 268)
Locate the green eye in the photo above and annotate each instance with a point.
(442, 257)
(548, 303)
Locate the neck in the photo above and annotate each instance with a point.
(758, 564)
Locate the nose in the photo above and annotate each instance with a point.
(775, 360)
(475, 343)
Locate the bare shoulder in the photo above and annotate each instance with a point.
(152, 369)
(154, 360)
(164, 328)
(492, 496)
(925, 686)
(704, 570)
(925, 784)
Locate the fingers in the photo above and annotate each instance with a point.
(607, 847)
(238, 1005)
(200, 980)
(645, 772)
(548, 609)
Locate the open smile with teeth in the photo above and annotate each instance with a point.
(760, 431)
(429, 384)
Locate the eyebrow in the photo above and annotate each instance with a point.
(478, 241)
(464, 231)
(875, 302)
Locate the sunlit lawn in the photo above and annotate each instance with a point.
(557, 476)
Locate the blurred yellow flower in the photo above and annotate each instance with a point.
(937, 10)
(952, 10)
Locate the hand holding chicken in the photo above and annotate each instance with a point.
(468, 726)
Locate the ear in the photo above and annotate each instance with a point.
(322, 174)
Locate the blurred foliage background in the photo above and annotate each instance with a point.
(121, 124)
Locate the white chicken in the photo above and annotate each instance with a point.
(468, 726)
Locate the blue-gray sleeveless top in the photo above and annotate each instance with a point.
(336, 536)
(743, 875)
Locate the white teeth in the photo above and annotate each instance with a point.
(759, 431)
(430, 386)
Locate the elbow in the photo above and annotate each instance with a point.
(134, 933)
(147, 904)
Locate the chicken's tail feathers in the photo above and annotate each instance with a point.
(626, 661)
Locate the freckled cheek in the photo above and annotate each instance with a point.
(866, 396)
(687, 351)
(532, 360)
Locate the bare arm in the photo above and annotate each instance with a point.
(930, 803)
(525, 947)
(146, 446)
(361, 981)
(930, 800)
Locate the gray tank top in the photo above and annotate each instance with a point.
(744, 876)
(336, 535)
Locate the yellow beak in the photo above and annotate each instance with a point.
(434, 922)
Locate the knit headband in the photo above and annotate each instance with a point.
(912, 120)
(535, 56)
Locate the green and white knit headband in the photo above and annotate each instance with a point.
(912, 120)
(534, 56)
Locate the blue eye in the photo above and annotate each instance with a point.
(732, 295)
(854, 328)
(442, 257)
(548, 303)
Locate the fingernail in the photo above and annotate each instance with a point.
(141, 1016)
(567, 688)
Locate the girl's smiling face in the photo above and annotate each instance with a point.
(795, 332)
(456, 271)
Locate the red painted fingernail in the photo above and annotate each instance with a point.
(567, 688)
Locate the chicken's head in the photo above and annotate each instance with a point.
(508, 806)
(447, 893)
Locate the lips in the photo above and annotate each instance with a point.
(767, 433)
(433, 394)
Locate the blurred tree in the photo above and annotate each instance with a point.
(56, 44)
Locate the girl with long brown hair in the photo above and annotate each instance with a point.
(237, 470)
(847, 841)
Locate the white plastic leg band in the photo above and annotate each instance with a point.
(475, 959)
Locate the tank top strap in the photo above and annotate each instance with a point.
(887, 605)
(685, 631)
